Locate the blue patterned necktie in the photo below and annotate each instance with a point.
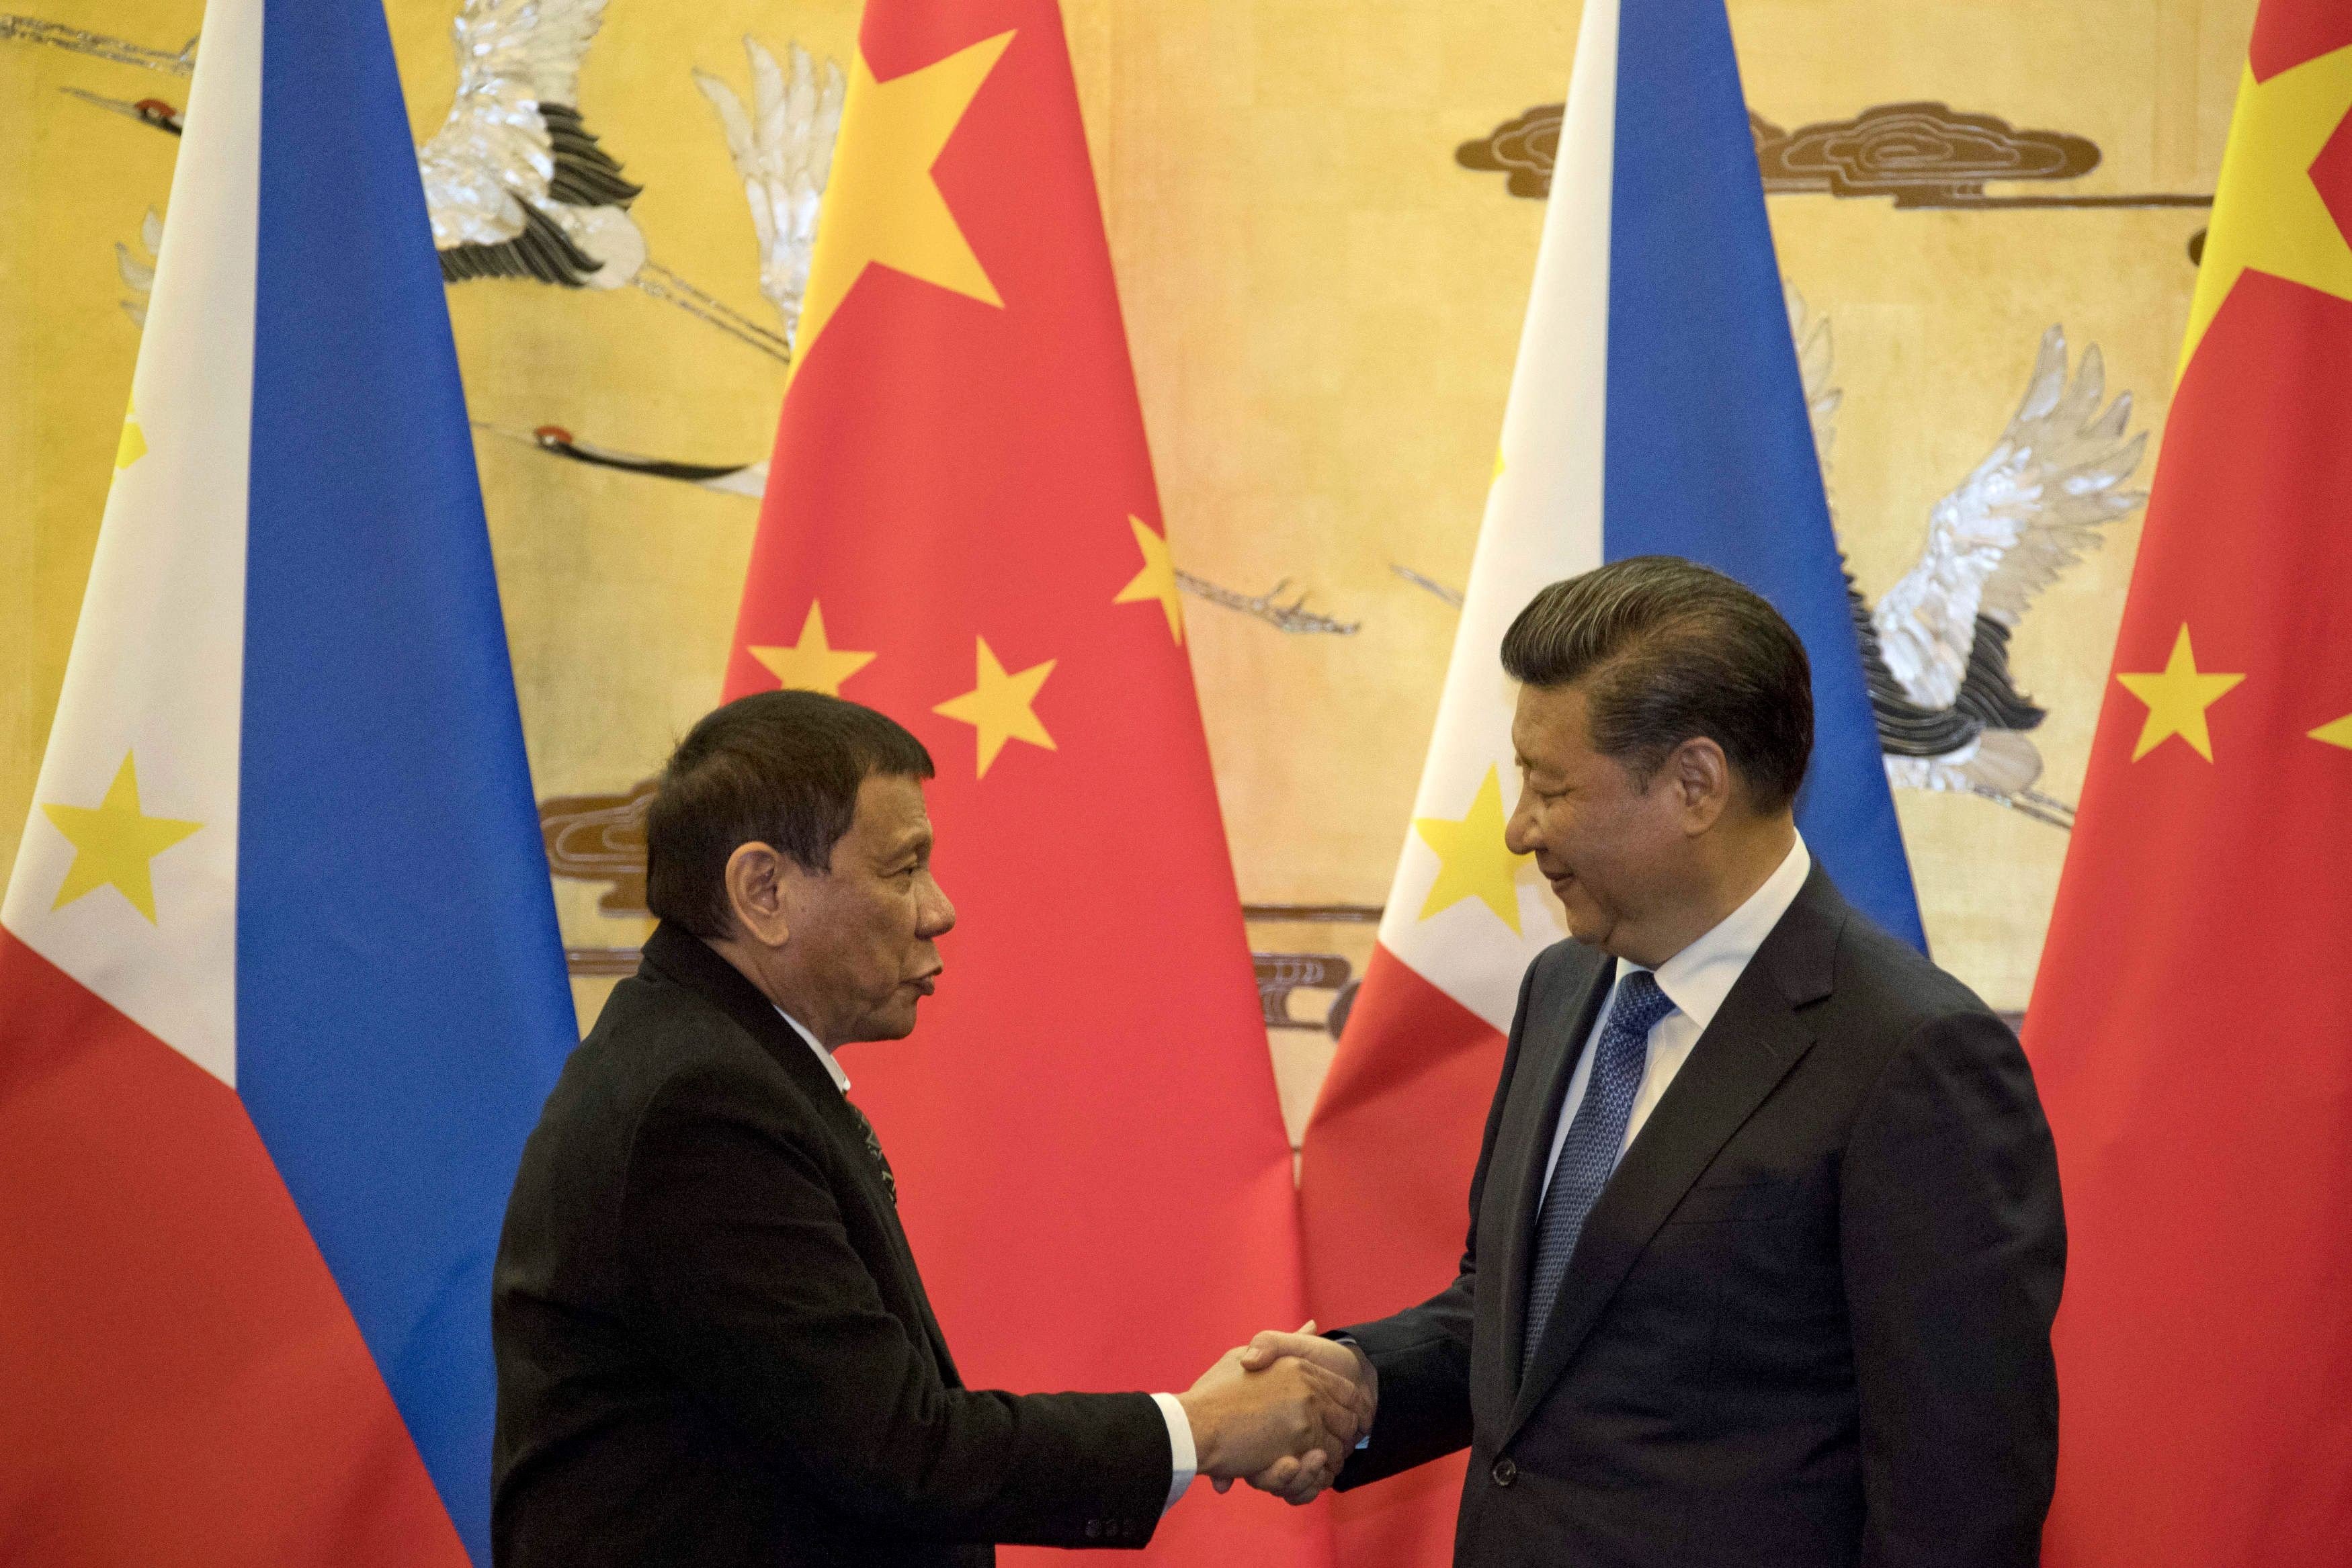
(1595, 1137)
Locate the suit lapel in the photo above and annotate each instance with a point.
(687, 959)
(1561, 1054)
(1755, 1038)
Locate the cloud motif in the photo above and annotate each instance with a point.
(601, 838)
(1922, 154)
(1522, 147)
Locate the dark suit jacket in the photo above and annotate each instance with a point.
(713, 1346)
(1808, 1321)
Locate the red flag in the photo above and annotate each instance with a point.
(960, 529)
(2191, 1027)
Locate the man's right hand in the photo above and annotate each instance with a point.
(1293, 1418)
(1270, 1349)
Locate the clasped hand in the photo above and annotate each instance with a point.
(1282, 1412)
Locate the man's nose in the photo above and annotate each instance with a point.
(936, 916)
(1520, 834)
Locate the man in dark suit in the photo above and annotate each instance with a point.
(1765, 1236)
(713, 1344)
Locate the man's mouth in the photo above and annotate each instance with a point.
(925, 983)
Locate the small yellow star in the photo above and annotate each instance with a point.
(814, 664)
(1473, 861)
(2336, 732)
(2267, 212)
(1157, 580)
(113, 843)
(2177, 697)
(881, 204)
(133, 445)
(998, 706)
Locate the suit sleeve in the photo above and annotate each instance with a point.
(755, 1298)
(1955, 1245)
(1422, 1353)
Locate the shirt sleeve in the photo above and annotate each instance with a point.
(1184, 1458)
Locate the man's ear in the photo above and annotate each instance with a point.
(756, 880)
(1702, 782)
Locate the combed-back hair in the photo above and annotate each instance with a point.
(1667, 649)
(780, 769)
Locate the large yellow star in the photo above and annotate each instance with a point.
(2267, 212)
(814, 665)
(1473, 861)
(2177, 697)
(113, 842)
(998, 706)
(1157, 580)
(881, 204)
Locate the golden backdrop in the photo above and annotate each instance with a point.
(1321, 212)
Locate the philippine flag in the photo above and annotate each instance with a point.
(280, 985)
(1656, 408)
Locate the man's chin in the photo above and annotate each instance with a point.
(1585, 925)
(897, 1023)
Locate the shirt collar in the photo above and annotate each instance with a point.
(831, 1068)
(1697, 979)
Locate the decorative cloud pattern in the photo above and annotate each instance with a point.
(601, 838)
(1921, 154)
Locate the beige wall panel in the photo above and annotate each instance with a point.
(1323, 307)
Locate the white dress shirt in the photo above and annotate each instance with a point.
(1695, 980)
(1185, 1458)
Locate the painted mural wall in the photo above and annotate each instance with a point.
(1324, 214)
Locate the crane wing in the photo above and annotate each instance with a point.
(781, 146)
(495, 152)
(1815, 358)
(2029, 511)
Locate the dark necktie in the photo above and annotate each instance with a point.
(1595, 1136)
(874, 1147)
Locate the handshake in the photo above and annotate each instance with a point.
(1282, 1413)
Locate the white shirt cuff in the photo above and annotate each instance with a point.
(1181, 1452)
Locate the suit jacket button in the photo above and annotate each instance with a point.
(1507, 1470)
(1094, 1530)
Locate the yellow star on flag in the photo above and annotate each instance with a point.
(113, 842)
(998, 706)
(2267, 212)
(1473, 861)
(2177, 697)
(133, 445)
(814, 665)
(1157, 580)
(2336, 732)
(881, 204)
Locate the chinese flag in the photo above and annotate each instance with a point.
(960, 530)
(2192, 1028)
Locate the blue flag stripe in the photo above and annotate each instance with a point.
(1709, 454)
(402, 1003)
